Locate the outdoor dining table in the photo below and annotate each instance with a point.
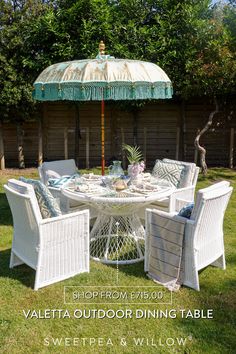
(118, 235)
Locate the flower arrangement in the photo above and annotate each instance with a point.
(135, 158)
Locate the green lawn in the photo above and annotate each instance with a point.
(218, 292)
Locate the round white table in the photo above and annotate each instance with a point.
(117, 236)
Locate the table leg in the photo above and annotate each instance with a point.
(121, 236)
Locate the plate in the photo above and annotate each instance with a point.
(144, 188)
(91, 177)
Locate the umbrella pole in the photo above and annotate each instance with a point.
(103, 136)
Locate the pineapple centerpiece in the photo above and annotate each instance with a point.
(135, 158)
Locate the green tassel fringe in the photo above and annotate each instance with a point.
(98, 91)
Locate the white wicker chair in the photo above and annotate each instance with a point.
(203, 242)
(57, 169)
(57, 248)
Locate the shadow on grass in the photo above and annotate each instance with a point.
(22, 273)
(135, 270)
(5, 212)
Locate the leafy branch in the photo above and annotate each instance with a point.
(133, 153)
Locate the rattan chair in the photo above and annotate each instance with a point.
(57, 169)
(57, 248)
(203, 236)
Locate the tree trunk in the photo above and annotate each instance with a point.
(21, 158)
(40, 141)
(135, 125)
(202, 151)
(2, 157)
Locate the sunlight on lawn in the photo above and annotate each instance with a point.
(21, 335)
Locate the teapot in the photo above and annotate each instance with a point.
(116, 169)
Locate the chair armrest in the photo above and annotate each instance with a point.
(65, 226)
(63, 217)
(186, 193)
(181, 203)
(62, 200)
(165, 214)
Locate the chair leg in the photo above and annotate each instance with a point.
(14, 260)
(191, 278)
(36, 281)
(220, 262)
(192, 281)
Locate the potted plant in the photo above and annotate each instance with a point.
(135, 158)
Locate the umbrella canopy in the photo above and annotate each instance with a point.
(98, 79)
(103, 78)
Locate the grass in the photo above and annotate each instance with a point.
(21, 335)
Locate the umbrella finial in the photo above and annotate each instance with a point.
(101, 55)
(102, 48)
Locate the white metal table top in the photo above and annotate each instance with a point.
(133, 194)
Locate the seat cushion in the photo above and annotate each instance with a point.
(48, 205)
(188, 175)
(186, 211)
(169, 171)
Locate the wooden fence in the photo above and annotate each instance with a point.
(162, 129)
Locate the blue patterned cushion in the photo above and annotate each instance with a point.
(47, 204)
(189, 172)
(169, 171)
(186, 211)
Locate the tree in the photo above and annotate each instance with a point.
(193, 41)
(15, 74)
(16, 77)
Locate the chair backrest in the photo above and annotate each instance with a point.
(192, 172)
(220, 185)
(57, 169)
(195, 176)
(209, 216)
(23, 193)
(26, 216)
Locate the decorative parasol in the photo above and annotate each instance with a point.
(100, 79)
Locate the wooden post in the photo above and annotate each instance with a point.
(145, 144)
(195, 156)
(45, 129)
(40, 142)
(87, 147)
(77, 133)
(135, 126)
(21, 158)
(183, 119)
(2, 157)
(177, 143)
(122, 142)
(231, 148)
(66, 143)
